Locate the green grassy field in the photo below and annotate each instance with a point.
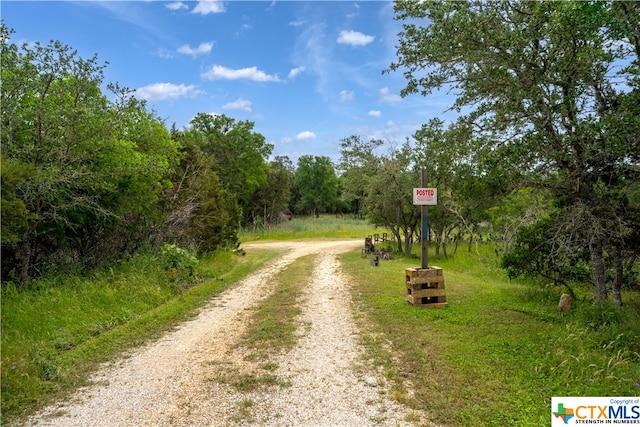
(308, 227)
(494, 356)
(499, 350)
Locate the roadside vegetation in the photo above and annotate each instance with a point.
(499, 344)
(500, 349)
(56, 332)
(114, 227)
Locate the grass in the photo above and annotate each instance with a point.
(272, 328)
(326, 226)
(55, 333)
(494, 356)
(499, 351)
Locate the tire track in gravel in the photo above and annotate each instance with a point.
(170, 382)
(330, 386)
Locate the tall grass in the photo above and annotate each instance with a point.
(55, 332)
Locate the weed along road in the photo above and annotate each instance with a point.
(208, 373)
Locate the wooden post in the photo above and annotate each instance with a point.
(425, 225)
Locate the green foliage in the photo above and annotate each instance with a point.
(316, 184)
(56, 331)
(15, 216)
(390, 202)
(200, 211)
(178, 261)
(240, 155)
(271, 201)
(537, 85)
(499, 344)
(536, 253)
(90, 171)
(358, 165)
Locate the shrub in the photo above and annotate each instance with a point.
(178, 263)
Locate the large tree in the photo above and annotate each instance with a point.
(389, 202)
(271, 201)
(358, 164)
(199, 212)
(76, 166)
(316, 183)
(240, 154)
(553, 87)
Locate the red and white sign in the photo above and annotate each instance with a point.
(425, 196)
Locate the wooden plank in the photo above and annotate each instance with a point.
(440, 301)
(426, 283)
(422, 275)
(434, 292)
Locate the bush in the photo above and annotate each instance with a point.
(178, 263)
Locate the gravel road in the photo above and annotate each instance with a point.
(172, 381)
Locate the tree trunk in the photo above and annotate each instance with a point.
(618, 277)
(396, 233)
(598, 271)
(408, 243)
(24, 258)
(457, 241)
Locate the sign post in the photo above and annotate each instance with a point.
(425, 197)
(425, 285)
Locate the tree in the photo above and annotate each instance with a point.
(316, 183)
(467, 185)
(240, 154)
(539, 83)
(389, 202)
(358, 164)
(271, 200)
(81, 166)
(199, 212)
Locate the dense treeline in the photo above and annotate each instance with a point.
(544, 158)
(87, 179)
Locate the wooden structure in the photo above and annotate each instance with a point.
(425, 287)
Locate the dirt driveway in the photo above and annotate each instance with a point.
(169, 382)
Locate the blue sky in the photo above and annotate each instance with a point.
(307, 73)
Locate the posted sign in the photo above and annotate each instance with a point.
(425, 196)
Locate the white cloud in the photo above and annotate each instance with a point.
(295, 71)
(218, 72)
(164, 54)
(392, 128)
(238, 104)
(346, 96)
(205, 7)
(297, 23)
(375, 113)
(243, 28)
(202, 49)
(176, 5)
(305, 136)
(387, 96)
(354, 38)
(166, 92)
